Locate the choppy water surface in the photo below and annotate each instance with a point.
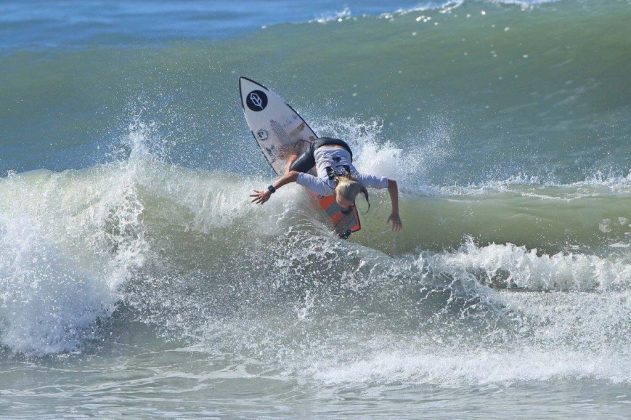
(136, 278)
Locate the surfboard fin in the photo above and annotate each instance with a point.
(344, 235)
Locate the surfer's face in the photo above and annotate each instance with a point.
(346, 206)
(347, 211)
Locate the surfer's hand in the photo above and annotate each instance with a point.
(259, 197)
(396, 222)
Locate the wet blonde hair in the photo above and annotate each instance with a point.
(348, 187)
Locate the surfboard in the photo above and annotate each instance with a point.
(278, 129)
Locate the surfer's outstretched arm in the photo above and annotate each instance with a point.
(260, 197)
(393, 190)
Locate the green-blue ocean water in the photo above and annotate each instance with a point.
(136, 278)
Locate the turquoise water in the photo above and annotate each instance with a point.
(136, 278)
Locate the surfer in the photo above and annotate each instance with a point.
(336, 175)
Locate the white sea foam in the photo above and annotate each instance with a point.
(595, 185)
(444, 6)
(455, 367)
(569, 322)
(48, 300)
(375, 155)
(515, 266)
(413, 165)
(338, 16)
(524, 4)
(69, 240)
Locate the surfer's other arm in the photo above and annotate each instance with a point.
(260, 197)
(393, 190)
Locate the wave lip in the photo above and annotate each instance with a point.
(68, 242)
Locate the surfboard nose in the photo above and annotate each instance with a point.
(246, 86)
(249, 84)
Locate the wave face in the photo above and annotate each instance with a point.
(131, 258)
(183, 250)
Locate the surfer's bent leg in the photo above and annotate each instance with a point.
(305, 161)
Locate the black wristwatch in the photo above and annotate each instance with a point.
(271, 189)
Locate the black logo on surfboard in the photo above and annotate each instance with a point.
(256, 100)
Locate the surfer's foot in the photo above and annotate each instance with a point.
(290, 160)
(290, 152)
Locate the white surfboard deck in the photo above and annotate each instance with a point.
(278, 129)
